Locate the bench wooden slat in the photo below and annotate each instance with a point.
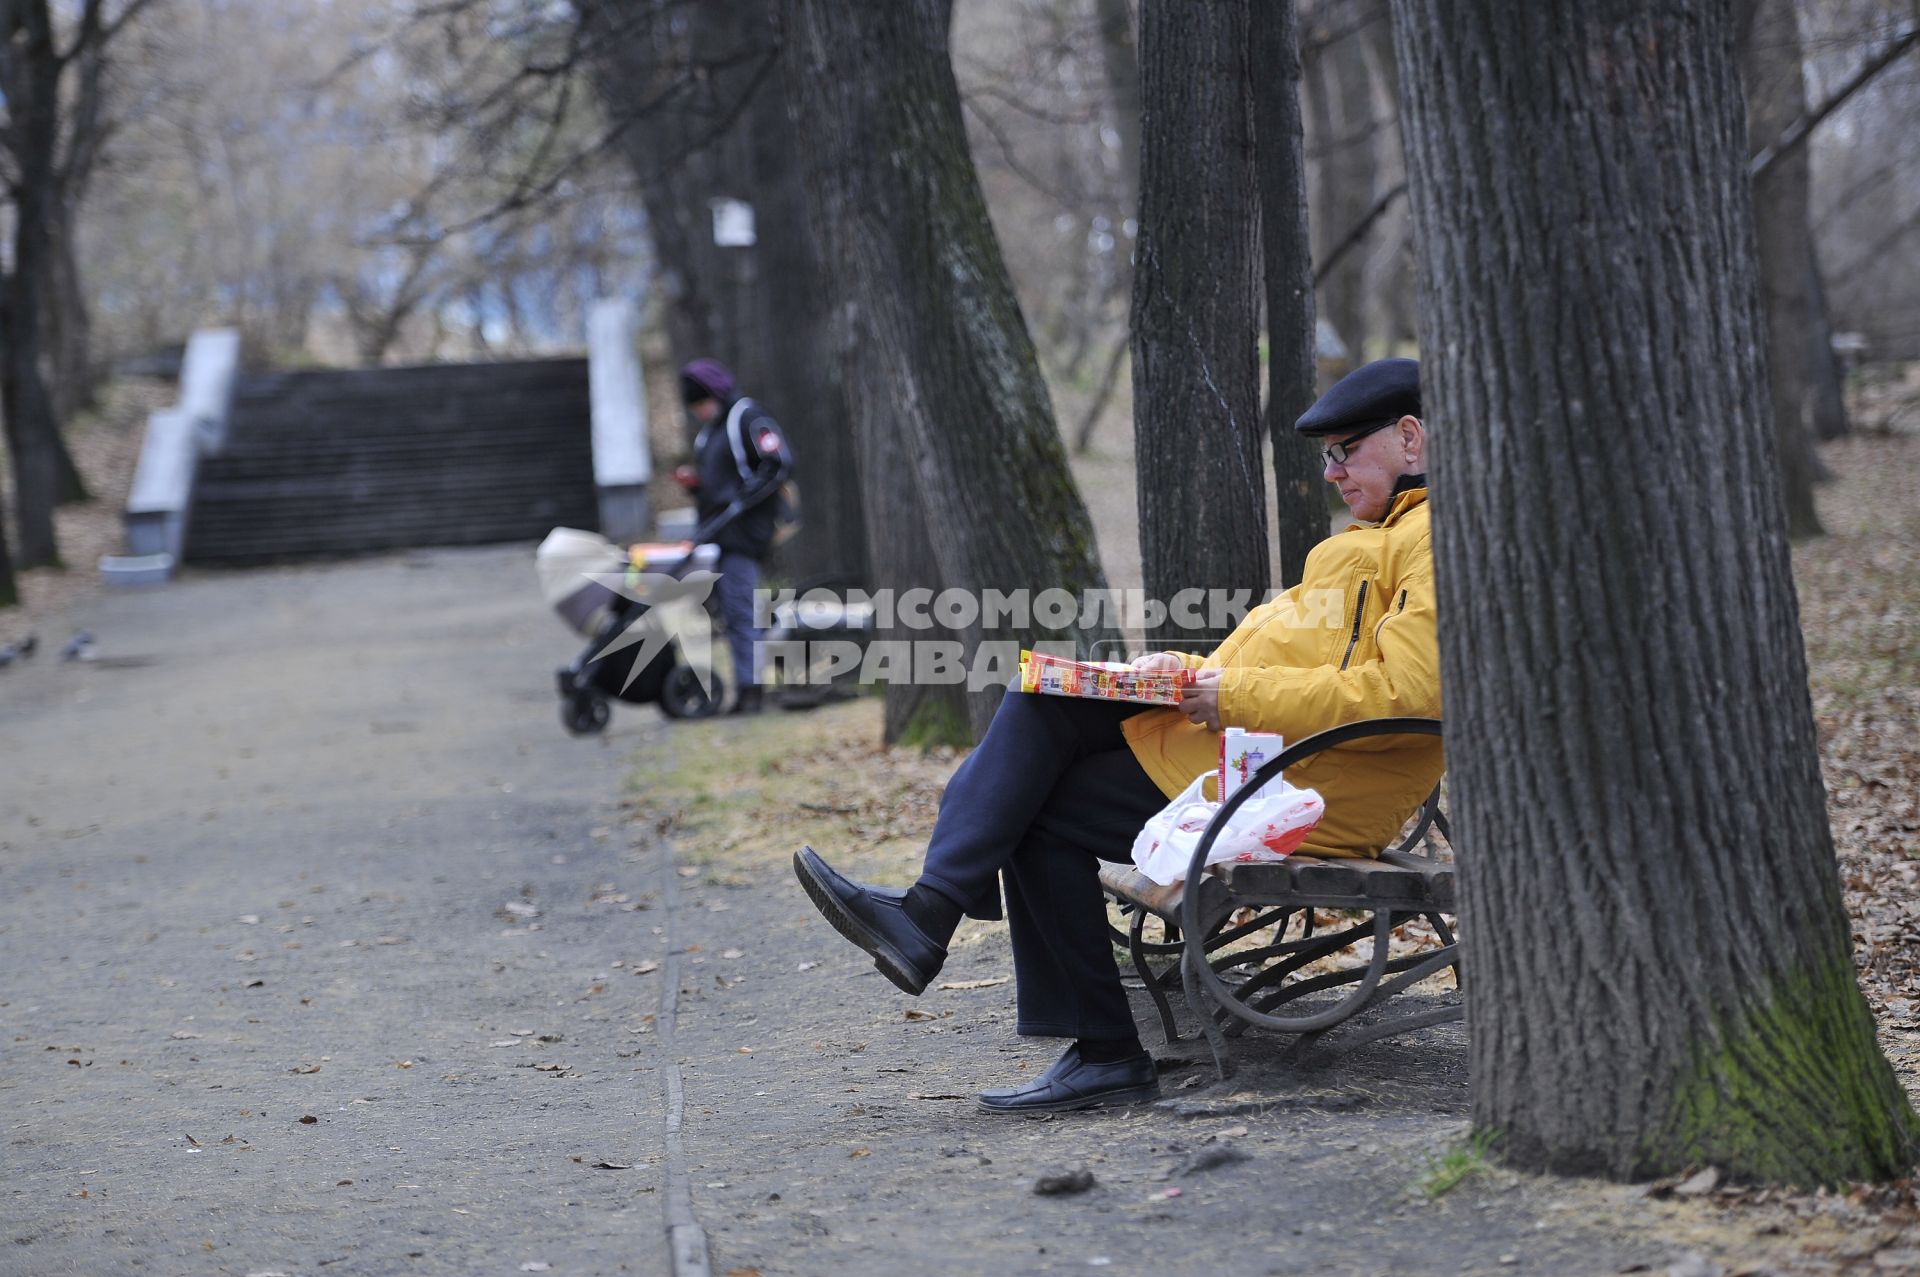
(1129, 884)
(1395, 879)
(1437, 873)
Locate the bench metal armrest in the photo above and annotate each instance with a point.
(1195, 965)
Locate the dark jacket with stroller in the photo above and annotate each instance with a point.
(742, 456)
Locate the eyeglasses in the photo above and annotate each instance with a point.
(1336, 454)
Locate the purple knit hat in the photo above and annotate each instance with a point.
(704, 378)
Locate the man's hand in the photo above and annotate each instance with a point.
(1201, 702)
(1158, 663)
(687, 477)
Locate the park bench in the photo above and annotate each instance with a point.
(1239, 971)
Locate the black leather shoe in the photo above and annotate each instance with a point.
(750, 701)
(1072, 1083)
(872, 918)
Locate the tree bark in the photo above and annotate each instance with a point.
(31, 85)
(1658, 957)
(697, 131)
(643, 67)
(1196, 374)
(1287, 262)
(1776, 95)
(9, 587)
(1827, 402)
(803, 386)
(1339, 133)
(70, 327)
(1389, 282)
(1120, 63)
(938, 355)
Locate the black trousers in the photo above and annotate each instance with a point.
(1050, 792)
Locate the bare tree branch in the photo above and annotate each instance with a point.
(1353, 238)
(531, 194)
(1012, 160)
(1795, 135)
(1026, 108)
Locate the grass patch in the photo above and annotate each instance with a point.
(738, 795)
(1457, 1165)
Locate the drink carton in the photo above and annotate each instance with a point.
(1241, 755)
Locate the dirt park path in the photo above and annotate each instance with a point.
(278, 875)
(324, 951)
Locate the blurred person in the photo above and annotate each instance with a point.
(741, 459)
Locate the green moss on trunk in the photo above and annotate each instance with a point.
(935, 721)
(1795, 1091)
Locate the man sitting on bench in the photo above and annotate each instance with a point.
(1059, 784)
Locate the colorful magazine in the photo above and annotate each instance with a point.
(1100, 680)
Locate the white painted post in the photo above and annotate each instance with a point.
(176, 438)
(622, 459)
(206, 383)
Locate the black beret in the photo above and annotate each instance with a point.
(1384, 390)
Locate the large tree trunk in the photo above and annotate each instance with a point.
(1300, 492)
(1196, 373)
(70, 329)
(1339, 138)
(1120, 64)
(1828, 402)
(1389, 281)
(939, 355)
(724, 131)
(803, 382)
(643, 55)
(1776, 96)
(33, 432)
(1658, 963)
(9, 588)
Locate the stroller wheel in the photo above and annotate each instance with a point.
(682, 696)
(584, 714)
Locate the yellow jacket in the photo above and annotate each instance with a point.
(1355, 639)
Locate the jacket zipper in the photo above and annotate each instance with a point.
(1359, 610)
(1398, 608)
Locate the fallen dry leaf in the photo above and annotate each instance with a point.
(975, 984)
(921, 1015)
(862, 1151)
(308, 1120)
(1699, 1184)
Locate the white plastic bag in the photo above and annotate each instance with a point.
(1268, 826)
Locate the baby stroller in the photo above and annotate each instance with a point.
(643, 612)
